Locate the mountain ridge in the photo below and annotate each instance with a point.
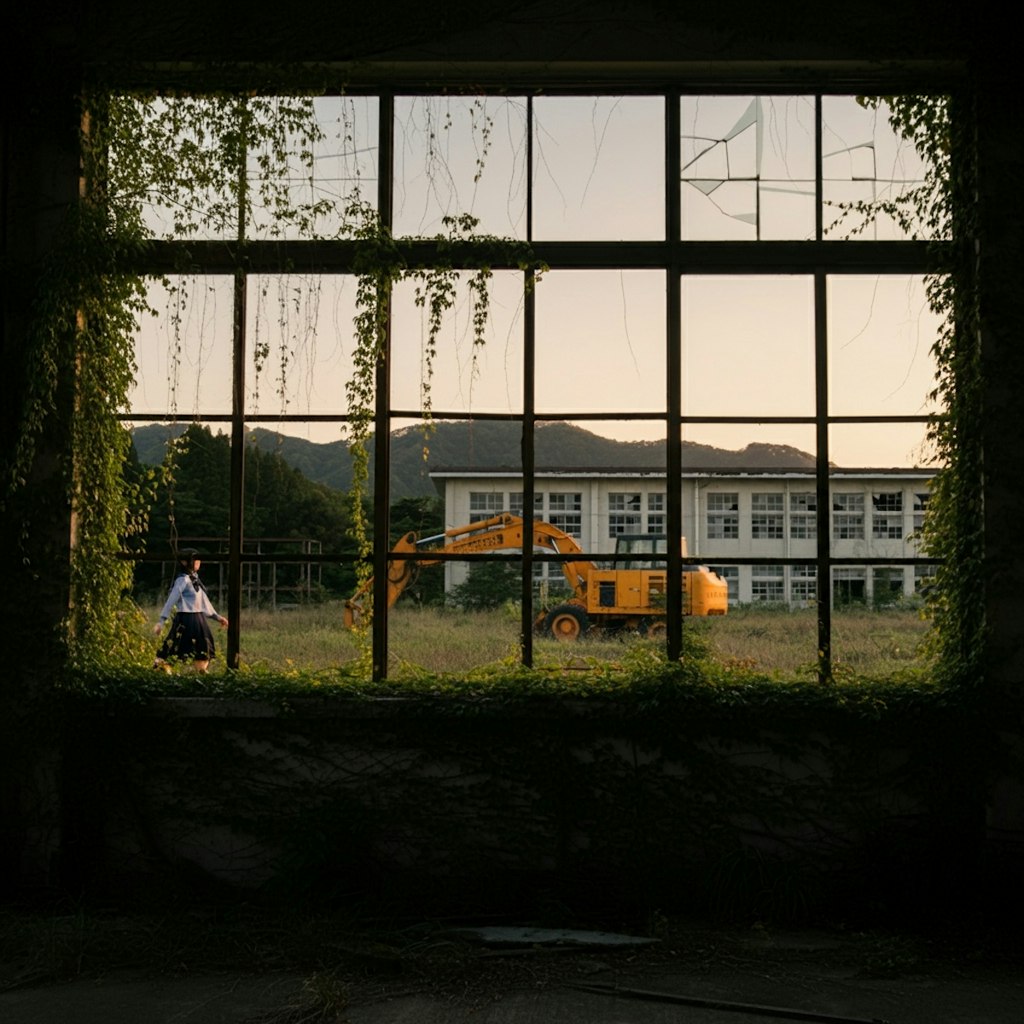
(485, 445)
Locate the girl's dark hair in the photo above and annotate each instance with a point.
(188, 555)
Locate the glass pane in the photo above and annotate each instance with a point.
(762, 635)
(738, 488)
(600, 444)
(460, 155)
(474, 624)
(746, 446)
(877, 624)
(881, 334)
(307, 160)
(330, 167)
(748, 346)
(599, 167)
(747, 167)
(192, 503)
(600, 341)
(308, 636)
(299, 339)
(881, 446)
(458, 374)
(175, 141)
(865, 161)
(183, 354)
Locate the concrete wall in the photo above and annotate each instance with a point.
(469, 806)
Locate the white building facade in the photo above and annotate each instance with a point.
(728, 516)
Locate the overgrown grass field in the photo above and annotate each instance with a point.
(446, 641)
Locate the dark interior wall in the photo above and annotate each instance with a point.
(493, 807)
(52, 48)
(1000, 256)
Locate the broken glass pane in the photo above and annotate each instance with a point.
(747, 167)
(867, 166)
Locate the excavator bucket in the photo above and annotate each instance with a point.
(350, 615)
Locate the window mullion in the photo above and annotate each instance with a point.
(673, 372)
(382, 402)
(824, 527)
(822, 477)
(238, 357)
(529, 414)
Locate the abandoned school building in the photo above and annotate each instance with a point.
(914, 802)
(727, 515)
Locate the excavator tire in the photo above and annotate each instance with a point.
(566, 622)
(655, 629)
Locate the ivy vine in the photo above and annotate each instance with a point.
(210, 166)
(941, 209)
(459, 255)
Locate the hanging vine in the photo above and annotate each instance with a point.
(180, 167)
(458, 255)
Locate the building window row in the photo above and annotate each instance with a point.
(768, 515)
(563, 509)
(774, 515)
(797, 585)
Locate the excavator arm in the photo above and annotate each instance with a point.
(630, 597)
(499, 533)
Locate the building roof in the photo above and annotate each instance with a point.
(916, 473)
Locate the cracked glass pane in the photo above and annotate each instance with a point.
(747, 167)
(867, 166)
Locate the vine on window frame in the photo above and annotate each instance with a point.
(189, 156)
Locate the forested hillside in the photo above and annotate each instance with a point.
(281, 506)
(193, 506)
(483, 445)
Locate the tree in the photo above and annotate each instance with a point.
(489, 585)
(280, 503)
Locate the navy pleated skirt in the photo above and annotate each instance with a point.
(190, 638)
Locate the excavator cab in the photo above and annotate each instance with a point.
(642, 544)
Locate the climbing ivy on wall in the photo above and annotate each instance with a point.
(180, 167)
(943, 206)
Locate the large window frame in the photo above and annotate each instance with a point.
(819, 258)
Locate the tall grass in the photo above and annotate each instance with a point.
(864, 641)
(448, 641)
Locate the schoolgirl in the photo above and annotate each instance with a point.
(190, 635)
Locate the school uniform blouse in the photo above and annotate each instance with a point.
(188, 598)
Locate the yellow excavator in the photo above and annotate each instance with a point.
(630, 597)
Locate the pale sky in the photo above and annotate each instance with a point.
(747, 341)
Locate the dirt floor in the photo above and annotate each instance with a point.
(247, 967)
